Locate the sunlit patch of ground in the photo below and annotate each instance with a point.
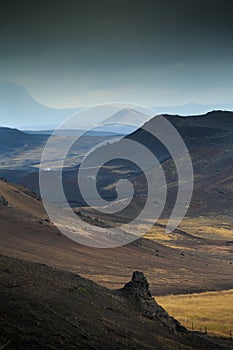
(220, 228)
(213, 310)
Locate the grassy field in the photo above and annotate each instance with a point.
(218, 228)
(213, 310)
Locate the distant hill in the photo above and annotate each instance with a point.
(205, 130)
(192, 108)
(12, 139)
(21, 151)
(209, 139)
(18, 108)
(73, 132)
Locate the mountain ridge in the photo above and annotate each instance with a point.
(192, 108)
(16, 105)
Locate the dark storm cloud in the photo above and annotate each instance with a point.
(70, 50)
(103, 30)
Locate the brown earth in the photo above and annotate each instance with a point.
(46, 308)
(193, 265)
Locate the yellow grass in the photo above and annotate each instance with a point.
(211, 228)
(213, 310)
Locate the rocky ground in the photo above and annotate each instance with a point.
(45, 308)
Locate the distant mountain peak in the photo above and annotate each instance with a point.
(129, 116)
(19, 109)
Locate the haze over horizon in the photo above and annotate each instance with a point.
(75, 54)
(18, 109)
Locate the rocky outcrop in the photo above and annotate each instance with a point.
(137, 290)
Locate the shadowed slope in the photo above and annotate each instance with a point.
(44, 308)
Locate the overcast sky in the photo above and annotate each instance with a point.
(79, 53)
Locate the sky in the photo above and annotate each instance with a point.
(73, 53)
